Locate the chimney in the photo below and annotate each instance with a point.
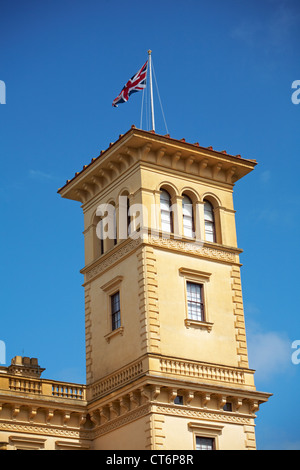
(25, 367)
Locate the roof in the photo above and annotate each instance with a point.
(165, 137)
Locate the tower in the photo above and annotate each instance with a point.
(166, 351)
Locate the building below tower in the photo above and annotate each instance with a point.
(166, 350)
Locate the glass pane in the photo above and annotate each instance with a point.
(166, 218)
(165, 198)
(204, 443)
(187, 206)
(209, 231)
(208, 211)
(194, 301)
(188, 227)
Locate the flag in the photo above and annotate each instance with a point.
(136, 83)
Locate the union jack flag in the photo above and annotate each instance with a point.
(136, 83)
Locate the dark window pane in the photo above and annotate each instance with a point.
(115, 311)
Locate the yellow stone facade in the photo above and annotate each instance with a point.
(159, 378)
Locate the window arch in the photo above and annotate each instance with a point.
(165, 211)
(188, 216)
(209, 222)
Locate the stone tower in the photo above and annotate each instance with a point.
(166, 351)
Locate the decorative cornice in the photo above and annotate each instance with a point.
(193, 412)
(196, 248)
(138, 145)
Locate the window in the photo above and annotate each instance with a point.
(195, 301)
(128, 217)
(115, 311)
(227, 406)
(209, 222)
(165, 211)
(206, 436)
(205, 443)
(187, 214)
(101, 237)
(115, 228)
(178, 400)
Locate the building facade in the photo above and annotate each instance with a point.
(166, 352)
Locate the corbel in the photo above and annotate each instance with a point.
(145, 394)
(97, 182)
(95, 417)
(15, 411)
(202, 165)
(189, 396)
(132, 153)
(122, 161)
(104, 415)
(172, 395)
(114, 410)
(66, 418)
(49, 415)
(82, 195)
(82, 419)
(104, 174)
(155, 392)
(32, 413)
(88, 187)
(237, 403)
(134, 400)
(175, 158)
(112, 167)
(159, 155)
(229, 174)
(216, 169)
(221, 401)
(205, 398)
(124, 404)
(253, 406)
(145, 150)
(188, 162)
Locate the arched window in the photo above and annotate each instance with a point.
(209, 221)
(128, 217)
(188, 218)
(101, 244)
(98, 236)
(165, 212)
(115, 228)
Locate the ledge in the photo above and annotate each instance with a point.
(118, 331)
(198, 324)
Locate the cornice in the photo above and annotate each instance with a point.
(162, 151)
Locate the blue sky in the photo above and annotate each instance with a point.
(224, 71)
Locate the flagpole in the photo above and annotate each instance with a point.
(151, 89)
